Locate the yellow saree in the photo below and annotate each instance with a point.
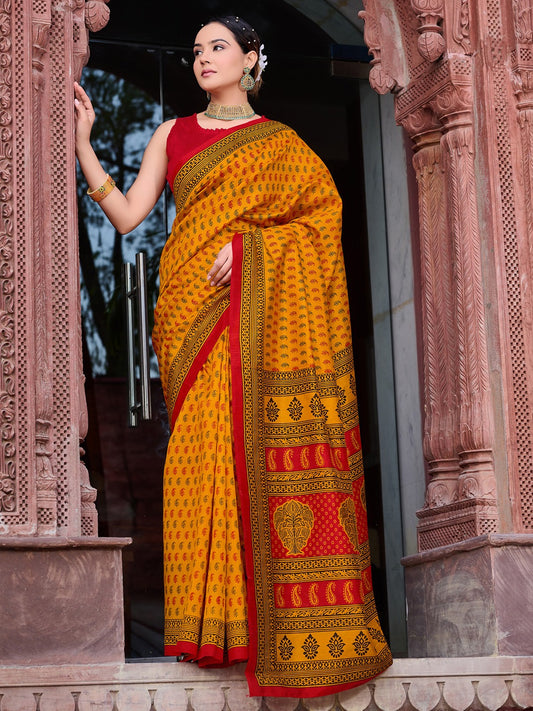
(265, 454)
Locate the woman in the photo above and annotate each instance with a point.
(266, 543)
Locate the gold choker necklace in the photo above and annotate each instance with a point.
(229, 113)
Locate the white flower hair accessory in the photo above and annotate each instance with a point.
(262, 60)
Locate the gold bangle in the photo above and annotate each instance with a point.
(103, 191)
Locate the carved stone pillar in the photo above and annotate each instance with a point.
(441, 441)
(458, 424)
(46, 477)
(476, 505)
(58, 576)
(476, 303)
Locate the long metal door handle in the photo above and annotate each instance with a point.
(144, 357)
(129, 294)
(135, 289)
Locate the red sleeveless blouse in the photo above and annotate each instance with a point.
(187, 137)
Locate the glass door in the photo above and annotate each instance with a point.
(125, 464)
(135, 87)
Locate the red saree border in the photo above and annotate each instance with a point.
(245, 335)
(216, 135)
(210, 655)
(202, 163)
(198, 362)
(309, 692)
(237, 395)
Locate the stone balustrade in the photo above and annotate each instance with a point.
(468, 684)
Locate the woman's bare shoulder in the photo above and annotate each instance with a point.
(164, 129)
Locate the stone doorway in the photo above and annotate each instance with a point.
(313, 84)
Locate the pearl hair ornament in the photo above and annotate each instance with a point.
(262, 57)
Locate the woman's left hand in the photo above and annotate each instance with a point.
(83, 113)
(220, 272)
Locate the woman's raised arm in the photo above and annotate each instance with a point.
(125, 211)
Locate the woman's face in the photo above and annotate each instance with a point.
(218, 59)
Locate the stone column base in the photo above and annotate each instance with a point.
(471, 598)
(446, 525)
(62, 600)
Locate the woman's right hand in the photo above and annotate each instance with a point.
(84, 114)
(220, 272)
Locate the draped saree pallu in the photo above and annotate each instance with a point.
(266, 541)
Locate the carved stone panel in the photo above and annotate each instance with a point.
(436, 107)
(44, 488)
(14, 501)
(68, 37)
(41, 230)
(519, 257)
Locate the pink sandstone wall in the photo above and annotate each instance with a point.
(45, 489)
(461, 73)
(462, 76)
(62, 585)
